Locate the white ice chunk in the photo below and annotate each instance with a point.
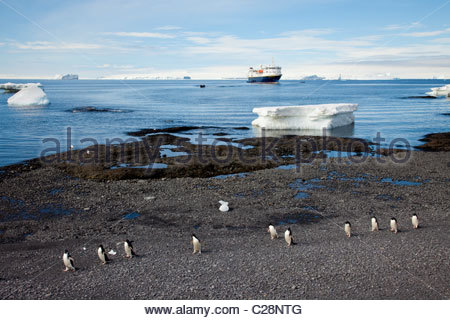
(223, 206)
(440, 91)
(112, 252)
(9, 86)
(318, 116)
(30, 96)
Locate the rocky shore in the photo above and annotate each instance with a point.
(66, 202)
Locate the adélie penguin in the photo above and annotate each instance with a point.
(68, 261)
(102, 254)
(128, 247)
(196, 243)
(374, 222)
(394, 226)
(415, 221)
(347, 229)
(288, 237)
(272, 231)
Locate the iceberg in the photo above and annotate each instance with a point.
(311, 117)
(16, 87)
(440, 91)
(29, 96)
(67, 77)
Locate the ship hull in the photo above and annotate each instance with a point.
(264, 79)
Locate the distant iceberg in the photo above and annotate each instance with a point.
(313, 77)
(29, 96)
(311, 117)
(15, 87)
(440, 91)
(67, 77)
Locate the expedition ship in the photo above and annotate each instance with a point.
(270, 73)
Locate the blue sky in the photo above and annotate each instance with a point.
(215, 39)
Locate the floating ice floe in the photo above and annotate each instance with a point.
(29, 96)
(15, 87)
(440, 91)
(318, 116)
(223, 206)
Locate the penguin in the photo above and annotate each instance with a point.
(223, 206)
(394, 227)
(68, 261)
(129, 252)
(374, 223)
(347, 228)
(288, 237)
(415, 221)
(196, 244)
(102, 255)
(273, 232)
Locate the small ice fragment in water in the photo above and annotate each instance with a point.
(223, 206)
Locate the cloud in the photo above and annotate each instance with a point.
(199, 40)
(115, 66)
(46, 45)
(291, 42)
(141, 34)
(440, 40)
(395, 27)
(168, 28)
(308, 32)
(426, 33)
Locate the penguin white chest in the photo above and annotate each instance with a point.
(394, 226)
(101, 255)
(374, 224)
(273, 232)
(347, 230)
(415, 222)
(127, 249)
(66, 260)
(288, 237)
(197, 245)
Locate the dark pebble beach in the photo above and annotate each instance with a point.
(47, 208)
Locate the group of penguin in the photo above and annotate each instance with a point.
(69, 262)
(347, 228)
(129, 251)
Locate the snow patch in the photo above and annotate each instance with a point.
(29, 96)
(318, 116)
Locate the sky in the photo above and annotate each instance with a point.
(218, 39)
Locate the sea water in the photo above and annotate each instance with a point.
(384, 107)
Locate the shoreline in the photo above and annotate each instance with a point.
(58, 210)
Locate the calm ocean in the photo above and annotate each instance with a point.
(383, 107)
